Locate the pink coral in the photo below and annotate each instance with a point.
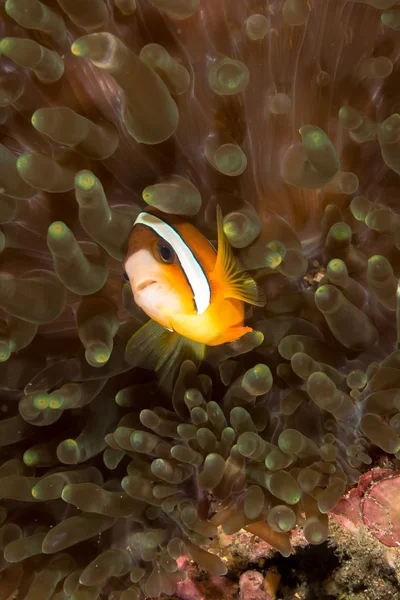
(216, 587)
(251, 584)
(375, 504)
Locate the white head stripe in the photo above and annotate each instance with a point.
(193, 270)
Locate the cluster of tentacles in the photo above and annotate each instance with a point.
(287, 118)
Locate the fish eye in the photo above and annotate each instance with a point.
(125, 275)
(165, 252)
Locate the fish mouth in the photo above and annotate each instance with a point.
(144, 284)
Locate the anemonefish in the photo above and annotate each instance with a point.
(184, 285)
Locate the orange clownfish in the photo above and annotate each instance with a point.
(193, 294)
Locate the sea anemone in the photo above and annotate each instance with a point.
(284, 114)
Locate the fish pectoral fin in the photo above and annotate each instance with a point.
(230, 335)
(156, 348)
(145, 346)
(175, 350)
(236, 283)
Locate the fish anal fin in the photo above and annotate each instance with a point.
(231, 335)
(235, 283)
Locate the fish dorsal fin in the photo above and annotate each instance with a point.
(237, 284)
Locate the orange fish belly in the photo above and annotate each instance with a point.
(222, 322)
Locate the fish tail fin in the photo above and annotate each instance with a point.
(238, 284)
(154, 347)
